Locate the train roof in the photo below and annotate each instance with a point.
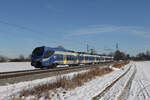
(58, 49)
(89, 53)
(66, 50)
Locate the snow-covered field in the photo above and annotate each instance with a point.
(140, 88)
(15, 66)
(13, 89)
(94, 87)
(85, 92)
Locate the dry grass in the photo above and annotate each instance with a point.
(66, 82)
(121, 64)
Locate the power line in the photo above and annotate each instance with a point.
(20, 27)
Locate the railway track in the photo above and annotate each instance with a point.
(108, 88)
(126, 90)
(144, 91)
(28, 75)
(12, 74)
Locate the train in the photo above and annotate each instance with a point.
(48, 57)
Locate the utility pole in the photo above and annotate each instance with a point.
(117, 47)
(87, 47)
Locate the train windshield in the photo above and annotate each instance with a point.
(38, 51)
(48, 53)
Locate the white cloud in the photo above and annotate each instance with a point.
(141, 33)
(100, 29)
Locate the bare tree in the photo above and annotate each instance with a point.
(92, 51)
(21, 58)
(61, 47)
(119, 55)
(3, 59)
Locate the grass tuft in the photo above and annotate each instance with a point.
(66, 82)
(121, 64)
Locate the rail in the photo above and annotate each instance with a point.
(4, 75)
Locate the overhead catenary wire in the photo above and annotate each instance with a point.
(20, 27)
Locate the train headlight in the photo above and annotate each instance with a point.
(45, 59)
(55, 57)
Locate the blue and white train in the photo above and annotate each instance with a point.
(51, 57)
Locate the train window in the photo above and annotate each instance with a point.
(102, 58)
(86, 58)
(59, 57)
(48, 53)
(91, 58)
(74, 58)
(80, 58)
(70, 57)
(97, 58)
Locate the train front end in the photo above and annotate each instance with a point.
(37, 56)
(43, 57)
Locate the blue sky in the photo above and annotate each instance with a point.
(26, 24)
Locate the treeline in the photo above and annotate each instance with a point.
(143, 56)
(21, 58)
(3, 59)
(119, 55)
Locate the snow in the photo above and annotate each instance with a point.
(118, 87)
(10, 89)
(140, 88)
(15, 66)
(89, 89)
(18, 66)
